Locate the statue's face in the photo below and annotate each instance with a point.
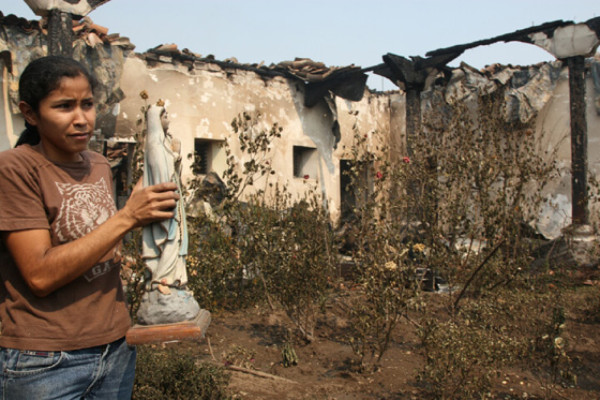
(164, 120)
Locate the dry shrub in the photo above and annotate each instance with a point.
(270, 247)
(175, 374)
(465, 354)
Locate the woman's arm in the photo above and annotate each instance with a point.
(46, 268)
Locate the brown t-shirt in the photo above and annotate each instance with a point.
(69, 200)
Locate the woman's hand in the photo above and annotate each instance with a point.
(150, 204)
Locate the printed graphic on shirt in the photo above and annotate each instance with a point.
(98, 270)
(84, 207)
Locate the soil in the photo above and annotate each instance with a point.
(249, 344)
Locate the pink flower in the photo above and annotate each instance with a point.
(379, 175)
(406, 160)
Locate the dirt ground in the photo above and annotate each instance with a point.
(249, 343)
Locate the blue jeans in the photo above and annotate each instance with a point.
(101, 372)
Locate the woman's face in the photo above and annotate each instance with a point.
(65, 119)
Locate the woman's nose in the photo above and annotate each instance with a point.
(79, 117)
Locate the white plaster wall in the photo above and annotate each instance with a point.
(370, 116)
(554, 132)
(203, 102)
(11, 125)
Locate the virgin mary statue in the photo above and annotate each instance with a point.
(165, 243)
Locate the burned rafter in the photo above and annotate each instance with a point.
(414, 72)
(347, 84)
(521, 35)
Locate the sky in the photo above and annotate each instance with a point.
(335, 32)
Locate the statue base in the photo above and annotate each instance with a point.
(168, 315)
(168, 306)
(192, 330)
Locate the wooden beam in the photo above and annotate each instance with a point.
(580, 212)
(60, 33)
(521, 35)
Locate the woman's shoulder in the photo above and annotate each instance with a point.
(22, 156)
(21, 166)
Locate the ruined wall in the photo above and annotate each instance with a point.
(21, 43)
(203, 100)
(537, 94)
(204, 96)
(553, 127)
(10, 126)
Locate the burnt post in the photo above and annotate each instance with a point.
(60, 14)
(411, 75)
(407, 75)
(580, 211)
(60, 33)
(413, 117)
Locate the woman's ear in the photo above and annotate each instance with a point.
(28, 113)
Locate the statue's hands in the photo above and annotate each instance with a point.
(176, 147)
(150, 204)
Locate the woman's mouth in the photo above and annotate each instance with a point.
(80, 136)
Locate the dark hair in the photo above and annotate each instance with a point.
(39, 78)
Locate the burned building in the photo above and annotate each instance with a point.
(320, 108)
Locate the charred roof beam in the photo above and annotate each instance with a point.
(522, 35)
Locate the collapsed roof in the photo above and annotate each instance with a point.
(348, 82)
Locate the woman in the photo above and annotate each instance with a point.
(62, 308)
